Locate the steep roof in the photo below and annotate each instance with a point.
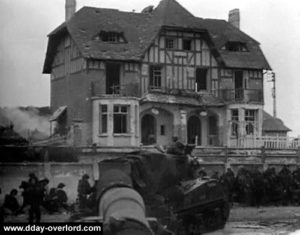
(222, 32)
(271, 124)
(140, 29)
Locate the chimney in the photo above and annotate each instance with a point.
(70, 8)
(234, 18)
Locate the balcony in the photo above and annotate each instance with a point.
(242, 95)
(127, 90)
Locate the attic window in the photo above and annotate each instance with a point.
(109, 36)
(236, 46)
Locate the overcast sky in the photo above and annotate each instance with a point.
(24, 25)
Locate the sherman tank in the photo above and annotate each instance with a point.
(156, 193)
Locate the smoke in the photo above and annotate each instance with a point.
(27, 121)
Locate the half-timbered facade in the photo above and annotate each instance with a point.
(125, 79)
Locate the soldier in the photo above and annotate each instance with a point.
(258, 188)
(296, 175)
(35, 198)
(84, 189)
(296, 185)
(62, 197)
(176, 147)
(285, 179)
(227, 180)
(11, 204)
(24, 185)
(202, 173)
(32, 176)
(215, 175)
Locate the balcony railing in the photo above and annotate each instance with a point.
(131, 90)
(270, 142)
(241, 95)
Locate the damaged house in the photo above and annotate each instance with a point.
(125, 79)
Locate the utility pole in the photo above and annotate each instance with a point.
(273, 76)
(274, 94)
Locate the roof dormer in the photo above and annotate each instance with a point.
(236, 46)
(111, 36)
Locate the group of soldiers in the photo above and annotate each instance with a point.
(256, 188)
(35, 194)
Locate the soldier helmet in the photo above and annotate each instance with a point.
(61, 185)
(85, 176)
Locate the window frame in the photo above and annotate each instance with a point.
(201, 80)
(155, 76)
(112, 37)
(103, 114)
(120, 115)
(234, 132)
(236, 46)
(250, 121)
(169, 40)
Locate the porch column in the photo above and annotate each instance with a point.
(259, 121)
(183, 126)
(134, 125)
(228, 127)
(241, 130)
(204, 130)
(110, 121)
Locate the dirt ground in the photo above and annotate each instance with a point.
(263, 220)
(242, 220)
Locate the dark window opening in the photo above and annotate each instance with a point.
(155, 76)
(250, 121)
(103, 120)
(170, 43)
(250, 129)
(250, 115)
(234, 122)
(112, 78)
(148, 126)
(236, 46)
(239, 85)
(187, 44)
(120, 119)
(234, 114)
(116, 37)
(238, 80)
(162, 130)
(201, 79)
(61, 128)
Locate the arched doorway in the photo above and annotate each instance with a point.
(213, 130)
(148, 130)
(194, 130)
